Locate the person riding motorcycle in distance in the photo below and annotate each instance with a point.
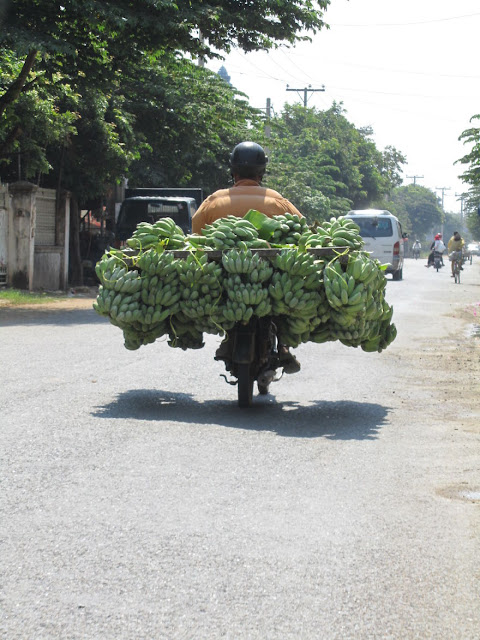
(248, 164)
(456, 243)
(437, 246)
(417, 247)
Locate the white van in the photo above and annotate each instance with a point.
(383, 237)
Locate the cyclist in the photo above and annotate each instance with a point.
(455, 249)
(248, 163)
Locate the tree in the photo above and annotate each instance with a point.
(323, 163)
(471, 177)
(93, 47)
(100, 39)
(97, 42)
(165, 101)
(391, 167)
(418, 209)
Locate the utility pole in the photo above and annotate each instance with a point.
(305, 90)
(443, 189)
(414, 179)
(461, 197)
(201, 59)
(268, 130)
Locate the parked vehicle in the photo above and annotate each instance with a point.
(473, 248)
(138, 209)
(383, 237)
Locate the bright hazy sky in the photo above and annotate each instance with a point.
(409, 69)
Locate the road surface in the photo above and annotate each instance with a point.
(138, 501)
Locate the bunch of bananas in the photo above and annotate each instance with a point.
(255, 268)
(289, 296)
(340, 232)
(293, 330)
(183, 333)
(229, 232)
(245, 285)
(300, 263)
(201, 288)
(153, 293)
(360, 315)
(163, 233)
(296, 283)
(290, 228)
(244, 299)
(343, 290)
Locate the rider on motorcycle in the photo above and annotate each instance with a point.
(248, 163)
(417, 247)
(437, 246)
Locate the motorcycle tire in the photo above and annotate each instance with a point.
(245, 380)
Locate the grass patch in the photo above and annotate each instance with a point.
(18, 297)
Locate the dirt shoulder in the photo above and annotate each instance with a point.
(82, 298)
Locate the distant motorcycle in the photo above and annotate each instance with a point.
(437, 260)
(416, 252)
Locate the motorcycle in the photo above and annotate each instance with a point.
(416, 252)
(437, 260)
(250, 353)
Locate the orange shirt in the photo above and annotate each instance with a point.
(245, 194)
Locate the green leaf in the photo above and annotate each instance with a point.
(265, 225)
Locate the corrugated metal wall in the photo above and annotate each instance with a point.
(3, 235)
(45, 220)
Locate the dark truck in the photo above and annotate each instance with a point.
(149, 205)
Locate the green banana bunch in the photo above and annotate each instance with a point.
(183, 334)
(248, 263)
(289, 297)
(342, 290)
(154, 293)
(201, 283)
(290, 228)
(295, 262)
(232, 231)
(321, 334)
(343, 232)
(163, 233)
(107, 264)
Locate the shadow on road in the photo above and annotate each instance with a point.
(336, 420)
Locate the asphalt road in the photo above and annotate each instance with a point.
(138, 502)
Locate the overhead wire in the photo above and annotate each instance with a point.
(406, 24)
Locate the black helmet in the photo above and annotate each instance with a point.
(248, 159)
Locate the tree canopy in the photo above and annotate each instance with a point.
(326, 165)
(471, 177)
(94, 49)
(418, 209)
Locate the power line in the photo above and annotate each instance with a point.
(407, 24)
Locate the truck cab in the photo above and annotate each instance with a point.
(150, 208)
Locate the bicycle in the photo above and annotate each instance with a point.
(457, 260)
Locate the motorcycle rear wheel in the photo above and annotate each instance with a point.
(245, 380)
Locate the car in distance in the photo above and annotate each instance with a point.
(473, 248)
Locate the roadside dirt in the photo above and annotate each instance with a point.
(75, 299)
(450, 367)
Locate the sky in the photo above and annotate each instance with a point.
(409, 70)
